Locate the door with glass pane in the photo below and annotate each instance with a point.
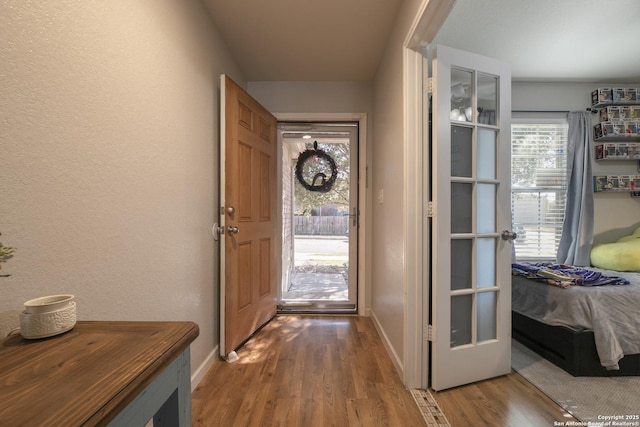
(319, 236)
(471, 249)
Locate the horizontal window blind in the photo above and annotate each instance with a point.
(538, 188)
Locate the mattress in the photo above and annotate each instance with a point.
(612, 312)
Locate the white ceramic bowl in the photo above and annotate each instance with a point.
(42, 325)
(47, 304)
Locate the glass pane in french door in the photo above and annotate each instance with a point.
(486, 156)
(473, 207)
(461, 95)
(485, 262)
(487, 99)
(461, 321)
(461, 154)
(461, 264)
(487, 315)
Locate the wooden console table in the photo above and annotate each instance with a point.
(99, 374)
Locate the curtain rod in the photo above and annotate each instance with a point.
(539, 111)
(548, 111)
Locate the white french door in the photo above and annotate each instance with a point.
(471, 246)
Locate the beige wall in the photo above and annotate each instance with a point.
(615, 214)
(108, 159)
(313, 97)
(388, 179)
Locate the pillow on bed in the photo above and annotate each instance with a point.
(623, 255)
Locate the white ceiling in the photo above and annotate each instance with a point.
(551, 40)
(305, 40)
(343, 40)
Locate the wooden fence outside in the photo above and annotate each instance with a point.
(321, 225)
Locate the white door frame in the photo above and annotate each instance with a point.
(364, 198)
(416, 363)
(427, 23)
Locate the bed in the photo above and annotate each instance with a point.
(585, 330)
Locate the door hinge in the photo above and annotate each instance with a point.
(428, 85)
(429, 209)
(429, 336)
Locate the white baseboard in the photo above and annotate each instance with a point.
(397, 362)
(204, 367)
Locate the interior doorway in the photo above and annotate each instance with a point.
(319, 217)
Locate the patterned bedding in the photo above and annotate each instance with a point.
(565, 275)
(611, 312)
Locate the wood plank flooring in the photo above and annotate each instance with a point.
(335, 371)
(505, 401)
(307, 371)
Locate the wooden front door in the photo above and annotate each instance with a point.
(248, 196)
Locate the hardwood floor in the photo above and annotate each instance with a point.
(307, 371)
(335, 371)
(509, 400)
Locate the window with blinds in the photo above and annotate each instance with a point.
(538, 188)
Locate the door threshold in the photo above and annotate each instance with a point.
(296, 304)
(319, 307)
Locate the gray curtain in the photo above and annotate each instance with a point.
(577, 229)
